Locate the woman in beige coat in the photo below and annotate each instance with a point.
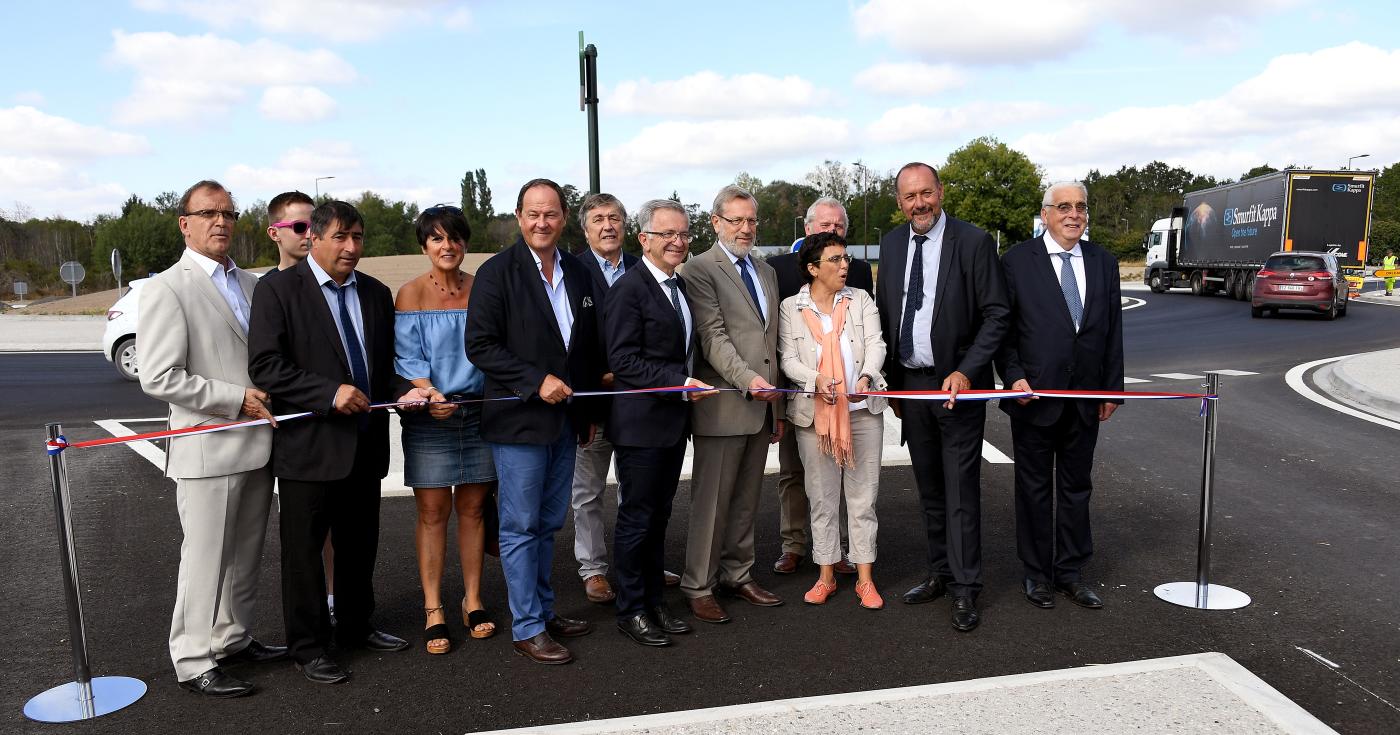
(832, 349)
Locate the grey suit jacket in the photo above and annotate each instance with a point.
(799, 350)
(735, 343)
(194, 356)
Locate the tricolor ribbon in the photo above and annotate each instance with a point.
(58, 445)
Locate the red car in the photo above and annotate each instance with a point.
(1300, 280)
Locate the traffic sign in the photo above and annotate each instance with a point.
(1392, 273)
(117, 269)
(21, 288)
(72, 274)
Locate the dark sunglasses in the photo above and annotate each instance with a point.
(298, 226)
(442, 209)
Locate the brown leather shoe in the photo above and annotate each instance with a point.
(562, 627)
(671, 579)
(543, 650)
(598, 590)
(787, 563)
(844, 566)
(707, 609)
(751, 593)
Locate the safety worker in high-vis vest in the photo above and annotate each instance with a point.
(1388, 263)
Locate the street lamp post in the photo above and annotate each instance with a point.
(795, 222)
(864, 198)
(319, 179)
(1353, 158)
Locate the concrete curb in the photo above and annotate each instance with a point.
(1352, 381)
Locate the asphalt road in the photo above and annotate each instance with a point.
(1305, 523)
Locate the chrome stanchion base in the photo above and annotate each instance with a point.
(1209, 597)
(64, 702)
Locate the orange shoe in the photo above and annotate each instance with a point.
(869, 598)
(819, 592)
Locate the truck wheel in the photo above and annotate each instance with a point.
(124, 357)
(1154, 281)
(1198, 284)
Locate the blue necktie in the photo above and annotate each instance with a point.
(743, 264)
(358, 372)
(913, 300)
(1070, 287)
(673, 284)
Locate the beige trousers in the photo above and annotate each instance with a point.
(724, 492)
(827, 483)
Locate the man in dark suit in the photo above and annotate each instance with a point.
(943, 312)
(651, 344)
(533, 330)
(1066, 333)
(825, 215)
(321, 338)
(604, 222)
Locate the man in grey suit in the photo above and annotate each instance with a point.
(194, 356)
(734, 298)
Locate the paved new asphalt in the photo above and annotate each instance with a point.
(1304, 515)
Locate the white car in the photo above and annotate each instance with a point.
(119, 339)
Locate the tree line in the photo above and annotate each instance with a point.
(985, 182)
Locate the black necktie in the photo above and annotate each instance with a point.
(358, 372)
(674, 283)
(743, 264)
(913, 299)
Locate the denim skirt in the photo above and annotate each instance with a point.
(447, 452)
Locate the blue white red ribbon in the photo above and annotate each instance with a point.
(58, 445)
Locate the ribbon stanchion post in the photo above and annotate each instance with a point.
(85, 697)
(1201, 594)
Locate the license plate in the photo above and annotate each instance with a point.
(1290, 288)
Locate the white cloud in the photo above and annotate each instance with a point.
(354, 20)
(46, 187)
(726, 145)
(910, 79)
(294, 103)
(921, 123)
(32, 98)
(707, 94)
(29, 132)
(1330, 117)
(185, 78)
(298, 168)
(1016, 31)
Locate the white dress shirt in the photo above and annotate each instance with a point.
(757, 282)
(558, 295)
(225, 279)
(352, 305)
(923, 318)
(1076, 261)
(847, 359)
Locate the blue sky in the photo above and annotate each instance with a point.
(101, 100)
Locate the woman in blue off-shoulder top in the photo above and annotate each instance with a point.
(445, 460)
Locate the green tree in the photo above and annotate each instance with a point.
(148, 240)
(477, 208)
(992, 186)
(1257, 171)
(1385, 202)
(700, 227)
(1385, 238)
(388, 225)
(1124, 204)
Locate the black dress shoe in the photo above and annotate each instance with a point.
(215, 683)
(323, 670)
(562, 627)
(255, 653)
(661, 615)
(1039, 594)
(640, 629)
(378, 640)
(1080, 594)
(926, 591)
(965, 615)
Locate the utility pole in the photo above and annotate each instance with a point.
(588, 101)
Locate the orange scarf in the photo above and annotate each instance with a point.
(832, 421)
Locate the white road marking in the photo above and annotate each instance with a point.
(1130, 302)
(1336, 668)
(1136, 380)
(1294, 378)
(1233, 373)
(149, 451)
(1178, 376)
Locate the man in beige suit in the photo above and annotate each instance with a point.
(734, 298)
(194, 355)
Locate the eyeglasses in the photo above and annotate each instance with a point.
(684, 237)
(1065, 207)
(838, 259)
(442, 209)
(299, 226)
(213, 214)
(740, 221)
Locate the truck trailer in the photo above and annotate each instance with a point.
(1217, 240)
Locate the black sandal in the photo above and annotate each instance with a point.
(480, 617)
(437, 632)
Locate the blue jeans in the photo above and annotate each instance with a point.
(536, 483)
